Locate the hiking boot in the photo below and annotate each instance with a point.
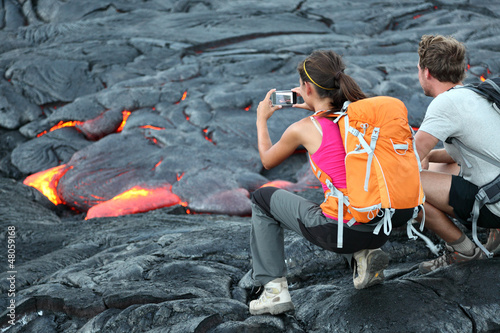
(275, 299)
(449, 257)
(370, 265)
(493, 243)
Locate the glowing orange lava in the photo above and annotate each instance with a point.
(152, 127)
(46, 182)
(136, 200)
(157, 164)
(126, 114)
(278, 184)
(184, 95)
(74, 123)
(206, 135)
(61, 124)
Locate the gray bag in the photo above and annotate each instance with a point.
(487, 194)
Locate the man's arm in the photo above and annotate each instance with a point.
(440, 156)
(425, 142)
(434, 159)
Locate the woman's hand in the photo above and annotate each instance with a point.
(266, 109)
(272, 155)
(302, 105)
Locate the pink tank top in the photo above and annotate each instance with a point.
(330, 156)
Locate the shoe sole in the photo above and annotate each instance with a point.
(424, 270)
(275, 309)
(376, 262)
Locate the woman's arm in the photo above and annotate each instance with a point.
(272, 155)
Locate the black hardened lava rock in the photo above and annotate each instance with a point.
(163, 94)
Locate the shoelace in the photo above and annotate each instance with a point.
(446, 259)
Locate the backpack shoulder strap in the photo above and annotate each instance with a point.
(494, 83)
(342, 112)
(476, 90)
(322, 176)
(316, 123)
(489, 89)
(461, 146)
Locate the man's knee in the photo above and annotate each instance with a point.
(450, 168)
(262, 198)
(436, 187)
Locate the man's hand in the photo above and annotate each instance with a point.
(425, 163)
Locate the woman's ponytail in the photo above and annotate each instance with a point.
(325, 69)
(350, 89)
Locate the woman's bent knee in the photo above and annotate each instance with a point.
(262, 198)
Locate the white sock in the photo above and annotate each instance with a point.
(463, 245)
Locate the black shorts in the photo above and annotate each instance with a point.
(462, 197)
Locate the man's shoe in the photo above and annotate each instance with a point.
(370, 265)
(493, 243)
(275, 299)
(449, 257)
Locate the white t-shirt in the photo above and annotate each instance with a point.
(471, 118)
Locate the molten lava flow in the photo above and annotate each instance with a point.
(207, 136)
(248, 107)
(278, 184)
(126, 114)
(136, 200)
(74, 123)
(152, 127)
(46, 182)
(61, 124)
(157, 164)
(184, 95)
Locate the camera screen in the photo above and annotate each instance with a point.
(284, 97)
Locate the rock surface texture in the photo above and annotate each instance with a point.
(161, 96)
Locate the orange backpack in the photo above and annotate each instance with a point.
(382, 165)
